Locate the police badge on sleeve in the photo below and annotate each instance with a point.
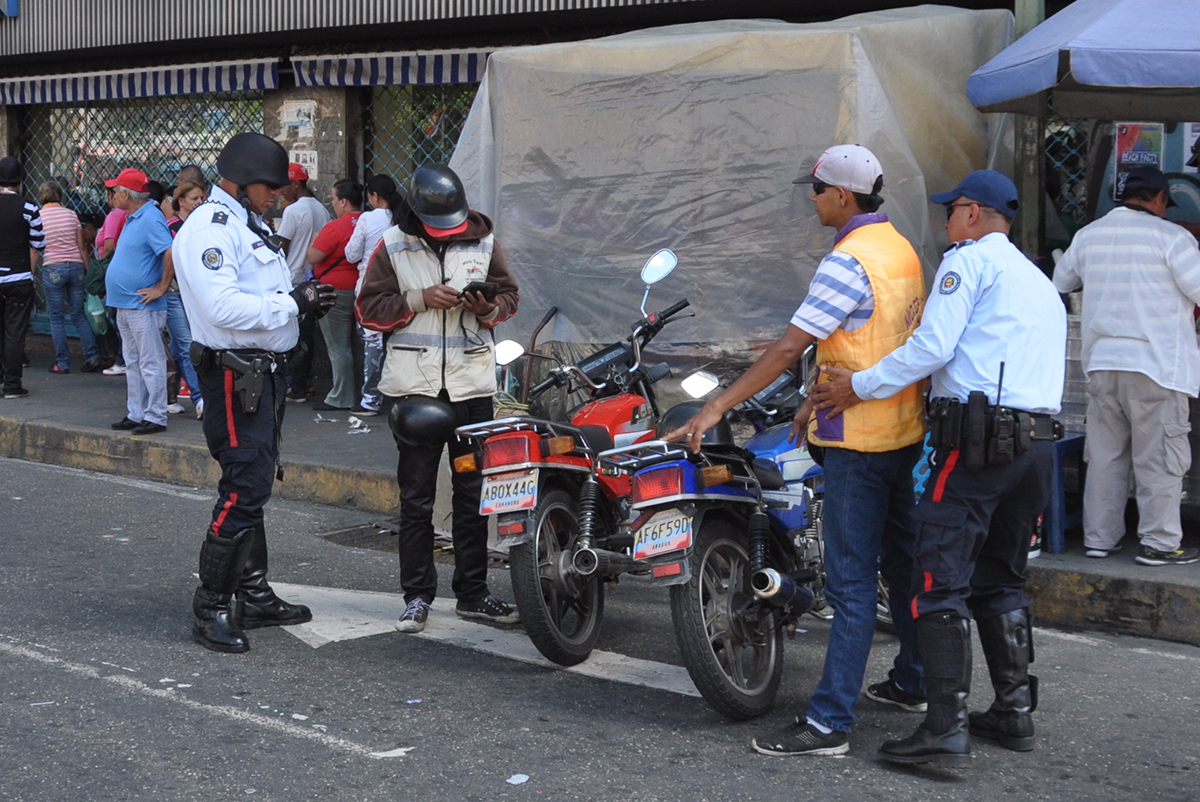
(213, 258)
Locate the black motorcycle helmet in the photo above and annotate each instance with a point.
(676, 416)
(437, 197)
(418, 420)
(251, 158)
(11, 171)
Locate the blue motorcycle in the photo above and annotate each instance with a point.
(736, 534)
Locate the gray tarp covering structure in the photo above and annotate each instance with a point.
(591, 155)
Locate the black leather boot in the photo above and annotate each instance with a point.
(222, 560)
(257, 605)
(1006, 645)
(942, 739)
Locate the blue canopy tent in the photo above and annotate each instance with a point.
(1101, 59)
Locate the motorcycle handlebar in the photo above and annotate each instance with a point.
(673, 309)
(542, 387)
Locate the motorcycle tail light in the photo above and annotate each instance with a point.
(555, 446)
(466, 464)
(657, 484)
(511, 450)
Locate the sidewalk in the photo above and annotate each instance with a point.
(65, 421)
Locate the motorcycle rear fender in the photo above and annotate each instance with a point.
(522, 520)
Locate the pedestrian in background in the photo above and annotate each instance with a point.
(106, 245)
(383, 196)
(303, 217)
(136, 281)
(327, 255)
(20, 237)
(65, 263)
(1140, 276)
(188, 195)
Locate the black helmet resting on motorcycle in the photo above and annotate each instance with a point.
(419, 420)
(437, 198)
(252, 158)
(719, 435)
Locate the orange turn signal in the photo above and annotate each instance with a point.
(554, 446)
(465, 464)
(715, 475)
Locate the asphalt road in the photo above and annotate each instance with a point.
(104, 695)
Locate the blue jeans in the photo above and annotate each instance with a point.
(869, 505)
(181, 343)
(64, 284)
(372, 367)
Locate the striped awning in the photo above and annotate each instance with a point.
(391, 69)
(178, 79)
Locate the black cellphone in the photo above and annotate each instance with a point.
(489, 289)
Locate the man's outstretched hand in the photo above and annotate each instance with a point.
(836, 395)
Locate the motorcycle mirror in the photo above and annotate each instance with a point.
(700, 384)
(659, 266)
(508, 351)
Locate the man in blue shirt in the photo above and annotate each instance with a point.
(136, 281)
(993, 339)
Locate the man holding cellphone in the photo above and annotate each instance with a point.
(437, 283)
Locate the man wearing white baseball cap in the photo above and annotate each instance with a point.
(864, 302)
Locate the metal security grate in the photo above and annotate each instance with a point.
(408, 126)
(1066, 168)
(79, 146)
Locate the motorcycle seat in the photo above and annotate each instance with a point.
(768, 474)
(597, 438)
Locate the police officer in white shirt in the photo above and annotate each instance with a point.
(235, 284)
(993, 339)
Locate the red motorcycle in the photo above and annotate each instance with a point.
(562, 517)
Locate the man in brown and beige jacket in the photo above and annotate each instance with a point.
(439, 363)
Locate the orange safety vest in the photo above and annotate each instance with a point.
(894, 271)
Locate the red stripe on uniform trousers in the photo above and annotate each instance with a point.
(229, 409)
(216, 526)
(947, 469)
(928, 587)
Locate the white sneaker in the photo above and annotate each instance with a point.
(175, 409)
(199, 409)
(115, 370)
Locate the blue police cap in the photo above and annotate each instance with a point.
(986, 187)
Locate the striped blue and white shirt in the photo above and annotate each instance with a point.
(840, 294)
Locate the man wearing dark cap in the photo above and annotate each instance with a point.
(20, 234)
(993, 341)
(1141, 280)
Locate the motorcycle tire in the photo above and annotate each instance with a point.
(737, 672)
(561, 613)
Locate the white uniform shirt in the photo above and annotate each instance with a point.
(1141, 280)
(989, 305)
(301, 223)
(234, 287)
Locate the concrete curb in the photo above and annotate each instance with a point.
(186, 464)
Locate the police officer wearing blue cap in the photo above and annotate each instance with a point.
(234, 280)
(993, 341)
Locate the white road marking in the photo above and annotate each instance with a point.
(340, 614)
(135, 686)
(1086, 641)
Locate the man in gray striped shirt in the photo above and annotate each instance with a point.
(1141, 282)
(20, 235)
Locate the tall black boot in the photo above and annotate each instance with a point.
(1006, 645)
(257, 605)
(222, 560)
(942, 739)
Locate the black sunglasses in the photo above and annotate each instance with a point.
(819, 187)
(950, 207)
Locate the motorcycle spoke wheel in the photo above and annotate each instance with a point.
(560, 610)
(735, 660)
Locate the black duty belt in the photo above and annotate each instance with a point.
(250, 367)
(987, 434)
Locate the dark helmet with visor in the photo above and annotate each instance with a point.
(437, 197)
(419, 420)
(252, 158)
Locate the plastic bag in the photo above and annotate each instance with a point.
(93, 307)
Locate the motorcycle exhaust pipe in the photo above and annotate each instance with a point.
(587, 562)
(782, 591)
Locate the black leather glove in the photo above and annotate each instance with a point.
(314, 298)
